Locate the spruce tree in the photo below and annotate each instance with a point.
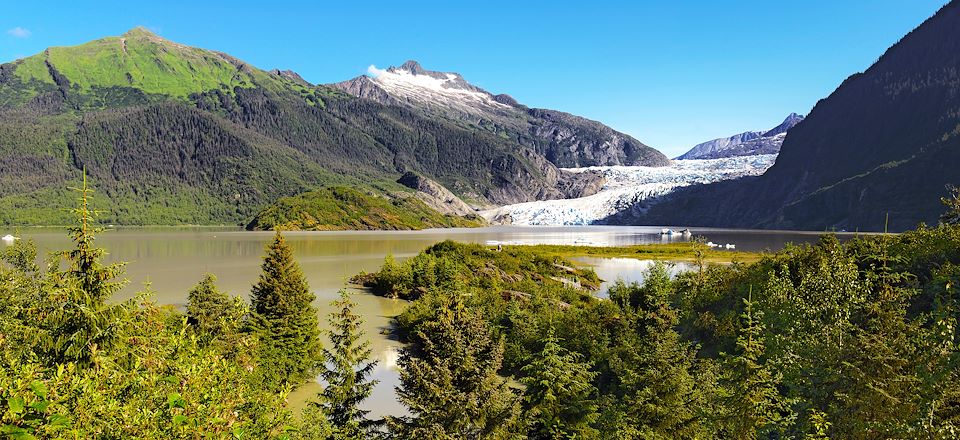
(952, 202)
(347, 366)
(211, 312)
(655, 370)
(77, 320)
(753, 405)
(283, 316)
(559, 399)
(449, 381)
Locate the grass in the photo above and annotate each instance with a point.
(670, 252)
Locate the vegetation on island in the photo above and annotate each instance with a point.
(345, 208)
(827, 340)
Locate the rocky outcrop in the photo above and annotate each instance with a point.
(435, 195)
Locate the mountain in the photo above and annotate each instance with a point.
(172, 134)
(745, 144)
(566, 140)
(885, 142)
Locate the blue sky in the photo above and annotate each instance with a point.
(670, 73)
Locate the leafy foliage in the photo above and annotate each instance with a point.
(75, 365)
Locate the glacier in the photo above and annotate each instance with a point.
(626, 186)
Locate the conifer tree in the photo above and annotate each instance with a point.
(559, 399)
(952, 202)
(98, 281)
(655, 369)
(211, 312)
(77, 321)
(284, 318)
(449, 381)
(347, 366)
(754, 406)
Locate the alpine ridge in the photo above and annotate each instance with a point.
(749, 143)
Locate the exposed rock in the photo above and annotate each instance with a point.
(749, 143)
(435, 195)
(565, 140)
(291, 75)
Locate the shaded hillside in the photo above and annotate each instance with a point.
(172, 134)
(886, 141)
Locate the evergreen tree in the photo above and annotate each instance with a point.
(97, 280)
(76, 319)
(284, 318)
(347, 366)
(313, 425)
(211, 312)
(559, 399)
(659, 393)
(449, 381)
(753, 405)
(952, 215)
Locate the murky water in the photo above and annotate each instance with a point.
(172, 260)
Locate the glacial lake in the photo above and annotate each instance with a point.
(172, 260)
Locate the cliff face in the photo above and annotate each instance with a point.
(885, 142)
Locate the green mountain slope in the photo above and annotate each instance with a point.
(172, 134)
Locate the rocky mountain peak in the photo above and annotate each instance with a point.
(413, 67)
(745, 144)
(788, 123)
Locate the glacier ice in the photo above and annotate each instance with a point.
(626, 186)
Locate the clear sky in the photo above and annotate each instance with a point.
(670, 73)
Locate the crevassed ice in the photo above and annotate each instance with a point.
(627, 186)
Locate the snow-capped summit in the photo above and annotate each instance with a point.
(411, 84)
(745, 144)
(561, 138)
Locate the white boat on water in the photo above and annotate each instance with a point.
(9, 238)
(731, 246)
(667, 231)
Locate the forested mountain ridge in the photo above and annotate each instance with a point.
(566, 140)
(886, 141)
(172, 134)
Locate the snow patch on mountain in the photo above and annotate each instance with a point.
(748, 143)
(626, 186)
(411, 83)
